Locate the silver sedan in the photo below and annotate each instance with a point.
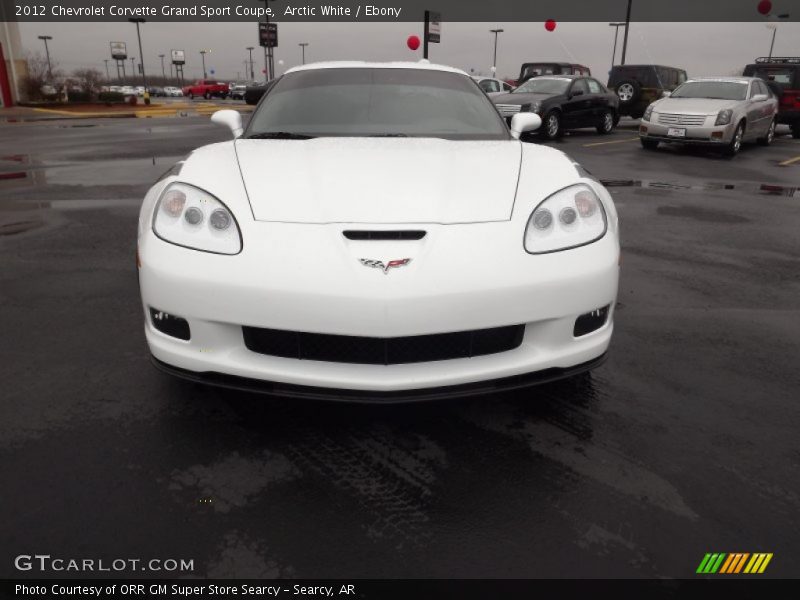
(721, 112)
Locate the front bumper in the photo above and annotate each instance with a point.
(701, 135)
(471, 286)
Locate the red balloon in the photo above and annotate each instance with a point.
(765, 7)
(413, 42)
(550, 25)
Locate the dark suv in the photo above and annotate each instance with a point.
(534, 69)
(782, 75)
(637, 86)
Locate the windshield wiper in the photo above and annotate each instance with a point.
(279, 135)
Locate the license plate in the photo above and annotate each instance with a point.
(675, 132)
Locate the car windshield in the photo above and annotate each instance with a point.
(541, 85)
(720, 90)
(374, 102)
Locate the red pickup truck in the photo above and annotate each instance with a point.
(206, 88)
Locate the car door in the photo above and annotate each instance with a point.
(577, 106)
(597, 94)
(757, 120)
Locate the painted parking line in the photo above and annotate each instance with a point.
(791, 161)
(614, 142)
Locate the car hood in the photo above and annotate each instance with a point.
(521, 98)
(379, 180)
(699, 106)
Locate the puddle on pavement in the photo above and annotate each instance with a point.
(752, 188)
(22, 170)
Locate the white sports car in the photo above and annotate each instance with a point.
(376, 232)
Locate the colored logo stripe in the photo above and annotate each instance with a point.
(733, 563)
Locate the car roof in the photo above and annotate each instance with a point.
(422, 65)
(647, 66)
(552, 62)
(564, 76)
(736, 79)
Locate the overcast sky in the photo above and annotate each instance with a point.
(700, 48)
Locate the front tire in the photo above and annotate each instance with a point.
(649, 144)
(551, 126)
(735, 144)
(607, 123)
(767, 139)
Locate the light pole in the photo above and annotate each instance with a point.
(137, 21)
(163, 71)
(250, 51)
(494, 60)
(133, 68)
(108, 77)
(303, 47)
(616, 27)
(774, 31)
(203, 56)
(44, 38)
(627, 27)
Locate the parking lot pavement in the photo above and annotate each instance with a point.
(684, 442)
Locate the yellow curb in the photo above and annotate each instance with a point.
(791, 161)
(614, 142)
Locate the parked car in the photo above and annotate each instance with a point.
(139, 90)
(172, 91)
(275, 250)
(637, 86)
(253, 93)
(782, 75)
(238, 90)
(721, 112)
(206, 88)
(128, 90)
(157, 91)
(564, 102)
(536, 69)
(492, 86)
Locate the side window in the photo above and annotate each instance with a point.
(579, 85)
(507, 87)
(485, 85)
(594, 87)
(681, 77)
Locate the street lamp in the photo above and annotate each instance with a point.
(774, 31)
(203, 56)
(137, 21)
(44, 38)
(616, 27)
(163, 71)
(303, 46)
(252, 74)
(494, 61)
(133, 68)
(627, 27)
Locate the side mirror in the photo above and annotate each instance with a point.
(576, 93)
(759, 97)
(524, 121)
(666, 94)
(230, 119)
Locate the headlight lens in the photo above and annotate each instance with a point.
(190, 217)
(724, 117)
(567, 219)
(648, 112)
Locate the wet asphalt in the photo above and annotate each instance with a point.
(684, 442)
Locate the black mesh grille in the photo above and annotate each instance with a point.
(363, 234)
(382, 351)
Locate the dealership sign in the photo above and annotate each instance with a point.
(119, 51)
(434, 27)
(178, 57)
(268, 35)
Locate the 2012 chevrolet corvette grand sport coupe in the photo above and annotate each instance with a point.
(376, 232)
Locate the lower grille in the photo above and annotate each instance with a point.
(382, 351)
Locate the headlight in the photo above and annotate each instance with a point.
(647, 113)
(190, 217)
(724, 117)
(535, 106)
(567, 219)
